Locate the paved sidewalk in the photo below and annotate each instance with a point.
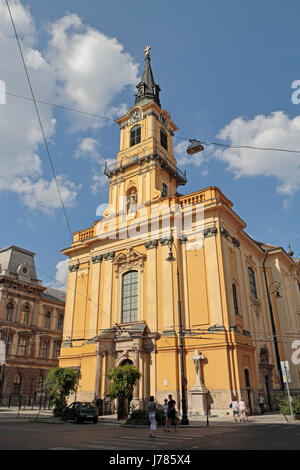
(13, 413)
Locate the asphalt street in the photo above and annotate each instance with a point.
(24, 435)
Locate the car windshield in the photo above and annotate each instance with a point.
(87, 405)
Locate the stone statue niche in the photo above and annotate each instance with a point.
(132, 201)
(198, 394)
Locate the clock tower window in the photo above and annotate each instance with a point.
(163, 139)
(135, 135)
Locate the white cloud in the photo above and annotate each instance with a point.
(276, 131)
(88, 148)
(183, 158)
(61, 276)
(43, 194)
(80, 67)
(20, 133)
(91, 68)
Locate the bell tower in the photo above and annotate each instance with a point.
(146, 169)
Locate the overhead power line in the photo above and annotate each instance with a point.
(39, 119)
(205, 142)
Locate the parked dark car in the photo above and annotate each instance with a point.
(80, 412)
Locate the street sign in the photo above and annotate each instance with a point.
(2, 352)
(285, 368)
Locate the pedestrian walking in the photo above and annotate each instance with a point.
(234, 405)
(166, 413)
(151, 413)
(261, 403)
(243, 411)
(171, 413)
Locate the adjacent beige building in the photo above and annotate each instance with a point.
(31, 324)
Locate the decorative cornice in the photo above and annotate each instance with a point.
(210, 232)
(128, 261)
(109, 255)
(73, 268)
(151, 244)
(224, 232)
(235, 329)
(217, 328)
(97, 259)
(236, 242)
(166, 241)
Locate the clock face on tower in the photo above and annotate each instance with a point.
(135, 116)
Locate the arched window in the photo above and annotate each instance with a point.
(247, 378)
(44, 350)
(130, 297)
(126, 362)
(164, 192)
(47, 319)
(135, 135)
(163, 139)
(10, 310)
(17, 384)
(60, 322)
(25, 315)
(40, 383)
(235, 301)
(56, 350)
(23, 346)
(252, 283)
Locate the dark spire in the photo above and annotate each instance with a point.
(148, 90)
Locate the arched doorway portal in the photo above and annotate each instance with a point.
(126, 362)
(248, 388)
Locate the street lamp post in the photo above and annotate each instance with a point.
(273, 326)
(184, 418)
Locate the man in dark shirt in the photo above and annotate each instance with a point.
(171, 413)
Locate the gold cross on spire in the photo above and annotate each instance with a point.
(147, 53)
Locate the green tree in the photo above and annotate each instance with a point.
(123, 379)
(60, 382)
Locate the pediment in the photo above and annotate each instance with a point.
(129, 260)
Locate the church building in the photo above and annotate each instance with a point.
(173, 284)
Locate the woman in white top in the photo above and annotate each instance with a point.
(235, 408)
(151, 413)
(242, 410)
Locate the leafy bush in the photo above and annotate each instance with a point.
(122, 381)
(285, 405)
(60, 382)
(139, 416)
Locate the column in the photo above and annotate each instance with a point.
(69, 310)
(98, 378)
(95, 290)
(153, 383)
(107, 294)
(151, 301)
(186, 309)
(213, 281)
(168, 290)
(148, 182)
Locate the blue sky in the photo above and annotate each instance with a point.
(225, 70)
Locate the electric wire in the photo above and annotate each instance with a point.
(258, 334)
(95, 115)
(39, 119)
(187, 139)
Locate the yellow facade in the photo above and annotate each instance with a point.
(232, 330)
